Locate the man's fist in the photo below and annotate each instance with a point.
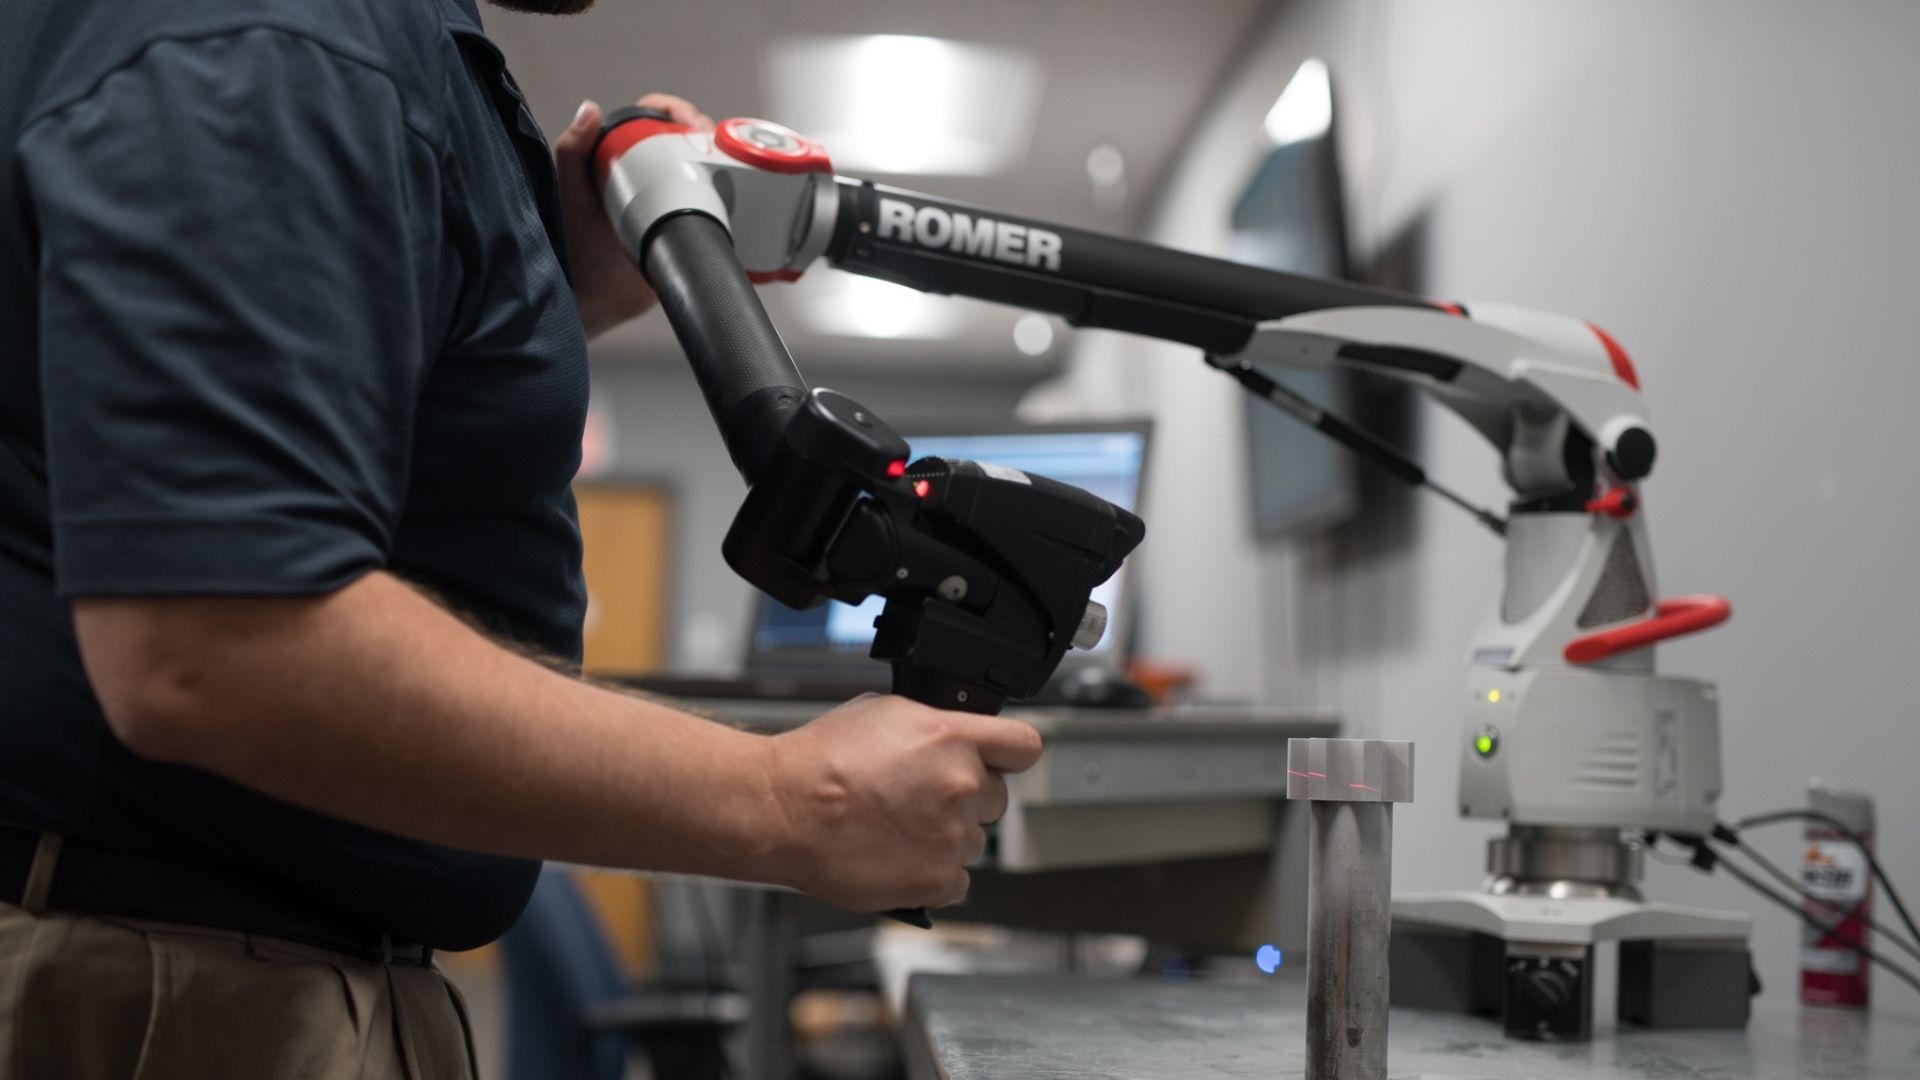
(610, 287)
(884, 800)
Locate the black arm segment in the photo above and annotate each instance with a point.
(744, 369)
(1087, 278)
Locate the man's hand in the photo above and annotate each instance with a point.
(884, 799)
(610, 287)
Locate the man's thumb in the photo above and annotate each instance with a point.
(578, 138)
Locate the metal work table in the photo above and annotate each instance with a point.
(980, 1027)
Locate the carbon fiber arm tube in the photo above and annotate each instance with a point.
(742, 366)
(1088, 278)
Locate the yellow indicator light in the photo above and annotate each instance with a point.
(1493, 696)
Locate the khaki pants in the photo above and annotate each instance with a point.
(98, 998)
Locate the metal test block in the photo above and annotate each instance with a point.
(1350, 770)
(1351, 786)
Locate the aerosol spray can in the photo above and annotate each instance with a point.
(1835, 872)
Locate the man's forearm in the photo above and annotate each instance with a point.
(374, 705)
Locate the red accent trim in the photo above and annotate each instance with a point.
(1622, 363)
(804, 156)
(626, 137)
(762, 277)
(1671, 618)
(1618, 502)
(1449, 307)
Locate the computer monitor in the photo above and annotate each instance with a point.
(1292, 216)
(1107, 459)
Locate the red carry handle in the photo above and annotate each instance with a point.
(1671, 618)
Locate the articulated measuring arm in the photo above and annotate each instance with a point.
(987, 575)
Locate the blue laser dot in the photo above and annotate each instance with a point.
(1268, 959)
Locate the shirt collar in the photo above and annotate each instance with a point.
(464, 12)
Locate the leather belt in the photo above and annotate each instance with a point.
(100, 881)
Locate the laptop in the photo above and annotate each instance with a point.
(820, 654)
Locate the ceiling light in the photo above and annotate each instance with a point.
(1107, 168)
(893, 103)
(1032, 335)
(1305, 108)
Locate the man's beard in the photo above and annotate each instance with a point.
(545, 7)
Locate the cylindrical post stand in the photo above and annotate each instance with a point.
(1352, 785)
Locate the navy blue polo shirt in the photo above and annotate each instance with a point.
(282, 301)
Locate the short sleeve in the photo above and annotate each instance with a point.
(238, 237)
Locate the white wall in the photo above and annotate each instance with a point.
(1728, 187)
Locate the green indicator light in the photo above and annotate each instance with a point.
(1486, 740)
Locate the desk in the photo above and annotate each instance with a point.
(982, 1027)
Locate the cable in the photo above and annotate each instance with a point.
(1836, 933)
(1706, 860)
(1838, 914)
(1843, 829)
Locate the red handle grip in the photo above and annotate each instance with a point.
(1671, 618)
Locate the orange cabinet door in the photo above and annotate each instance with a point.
(627, 533)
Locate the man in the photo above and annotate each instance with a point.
(293, 317)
